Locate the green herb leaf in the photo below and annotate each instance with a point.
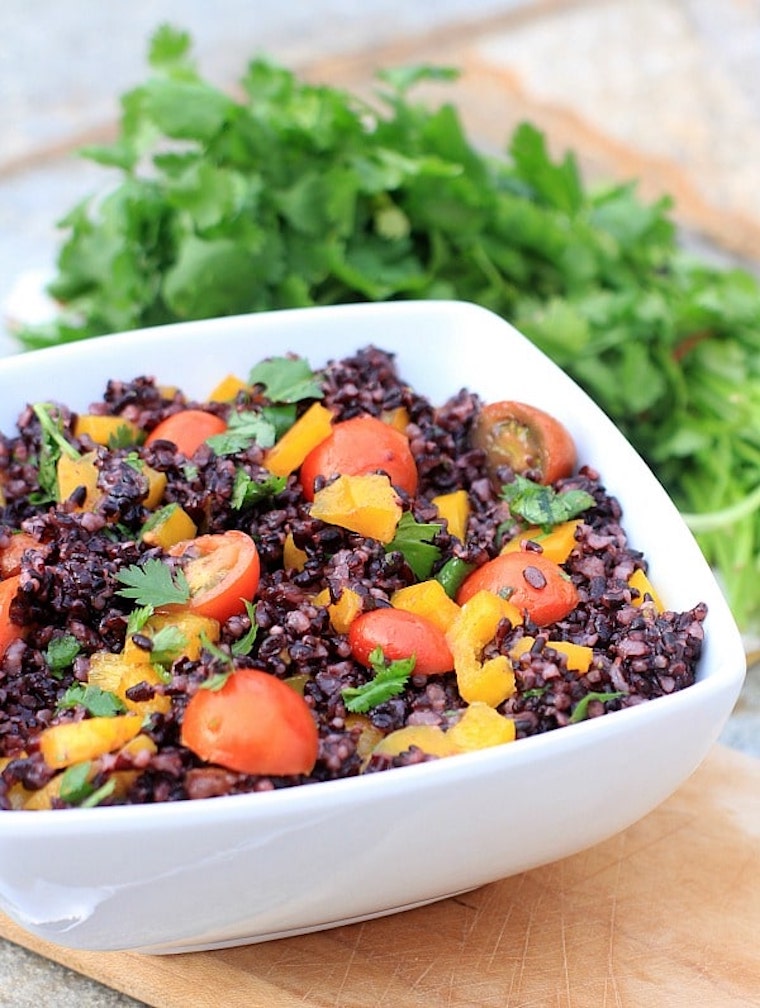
(247, 491)
(243, 429)
(60, 654)
(96, 701)
(138, 618)
(244, 645)
(286, 379)
(75, 783)
(390, 679)
(415, 540)
(53, 445)
(543, 505)
(168, 644)
(153, 584)
(452, 574)
(580, 711)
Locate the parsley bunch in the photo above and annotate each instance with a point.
(295, 195)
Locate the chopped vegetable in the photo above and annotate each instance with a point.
(542, 505)
(364, 504)
(390, 678)
(400, 634)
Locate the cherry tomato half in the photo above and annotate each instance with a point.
(532, 582)
(9, 631)
(254, 724)
(222, 570)
(187, 429)
(400, 634)
(525, 438)
(358, 447)
(10, 555)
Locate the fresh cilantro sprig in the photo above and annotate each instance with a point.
(580, 711)
(244, 428)
(96, 701)
(153, 583)
(415, 540)
(389, 679)
(542, 505)
(392, 200)
(286, 379)
(247, 491)
(53, 444)
(60, 654)
(77, 789)
(244, 645)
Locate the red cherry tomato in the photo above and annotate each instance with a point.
(9, 631)
(360, 446)
(222, 570)
(188, 430)
(254, 724)
(400, 634)
(532, 582)
(10, 555)
(524, 438)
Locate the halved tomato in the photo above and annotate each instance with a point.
(524, 438)
(9, 631)
(187, 429)
(222, 570)
(254, 724)
(358, 447)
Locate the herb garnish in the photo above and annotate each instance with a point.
(244, 645)
(244, 428)
(60, 654)
(580, 711)
(96, 701)
(414, 540)
(154, 583)
(390, 679)
(247, 491)
(542, 505)
(286, 379)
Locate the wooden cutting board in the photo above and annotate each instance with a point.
(665, 915)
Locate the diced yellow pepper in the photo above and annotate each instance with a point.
(293, 558)
(644, 586)
(345, 610)
(455, 508)
(429, 738)
(557, 545)
(369, 734)
(170, 525)
(103, 429)
(307, 432)
(480, 727)
(76, 741)
(73, 473)
(579, 656)
(428, 599)
(491, 681)
(397, 418)
(156, 485)
(191, 629)
(133, 674)
(42, 799)
(105, 670)
(364, 504)
(227, 389)
(17, 794)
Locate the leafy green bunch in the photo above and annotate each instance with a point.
(292, 194)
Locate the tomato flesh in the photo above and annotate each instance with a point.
(526, 439)
(358, 447)
(187, 429)
(222, 571)
(401, 634)
(533, 583)
(9, 631)
(254, 724)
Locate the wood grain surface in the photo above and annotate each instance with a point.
(664, 915)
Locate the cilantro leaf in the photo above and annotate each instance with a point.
(53, 444)
(60, 654)
(286, 379)
(96, 701)
(244, 645)
(580, 711)
(75, 783)
(543, 505)
(168, 643)
(153, 584)
(390, 679)
(247, 491)
(138, 618)
(415, 540)
(243, 429)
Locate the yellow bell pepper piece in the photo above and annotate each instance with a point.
(105, 670)
(227, 389)
(364, 504)
(133, 674)
(293, 558)
(397, 418)
(579, 656)
(170, 525)
(428, 599)
(307, 432)
(103, 429)
(644, 586)
(455, 508)
(156, 485)
(76, 741)
(481, 727)
(369, 735)
(491, 681)
(429, 738)
(557, 544)
(73, 473)
(344, 611)
(191, 629)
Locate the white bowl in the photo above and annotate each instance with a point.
(232, 870)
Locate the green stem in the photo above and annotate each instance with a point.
(712, 520)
